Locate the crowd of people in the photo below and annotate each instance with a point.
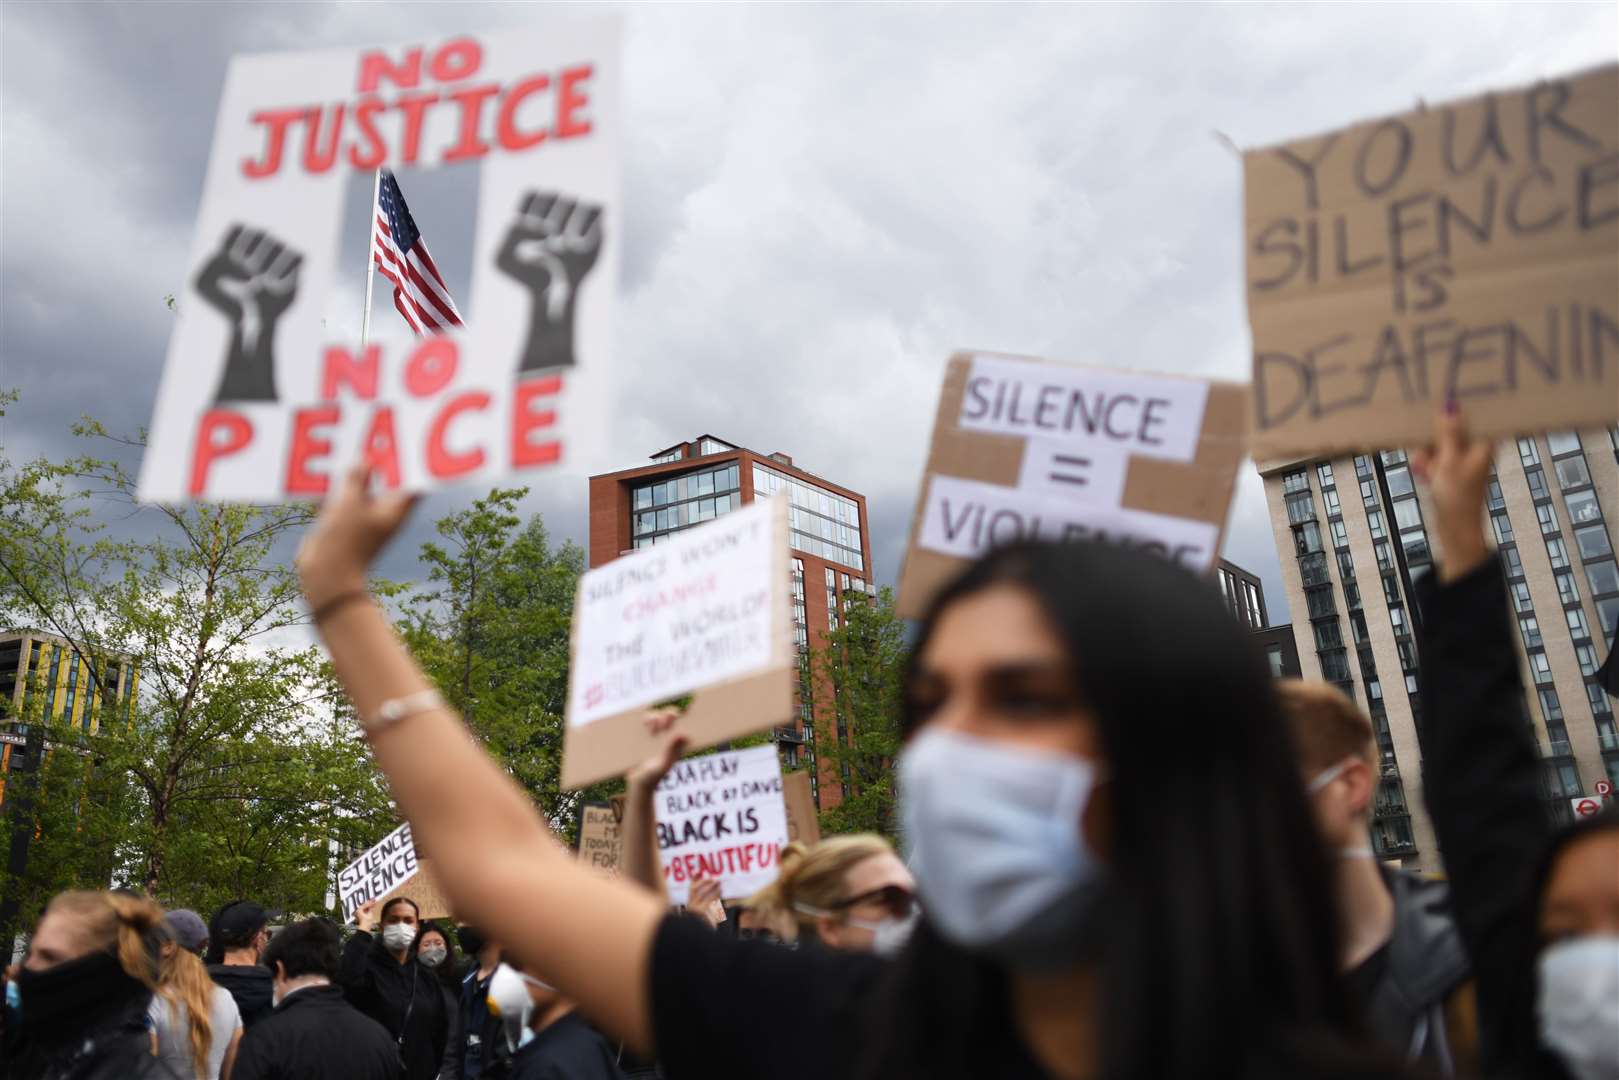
(1129, 852)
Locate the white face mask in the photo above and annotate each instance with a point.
(888, 936)
(432, 956)
(398, 936)
(509, 1000)
(995, 843)
(1578, 1004)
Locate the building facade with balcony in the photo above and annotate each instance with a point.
(1353, 536)
(693, 482)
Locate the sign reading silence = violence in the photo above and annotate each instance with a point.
(1466, 251)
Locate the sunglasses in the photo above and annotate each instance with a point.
(896, 900)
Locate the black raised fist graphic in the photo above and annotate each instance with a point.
(251, 280)
(551, 248)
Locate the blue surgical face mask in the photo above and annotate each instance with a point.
(993, 833)
(13, 997)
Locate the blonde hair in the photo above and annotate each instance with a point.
(182, 980)
(1327, 726)
(813, 877)
(129, 927)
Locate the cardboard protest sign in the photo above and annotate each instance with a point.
(425, 890)
(379, 871)
(1027, 448)
(1467, 251)
(708, 611)
(601, 843)
(802, 824)
(722, 816)
(259, 402)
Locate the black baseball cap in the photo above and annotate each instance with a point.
(237, 920)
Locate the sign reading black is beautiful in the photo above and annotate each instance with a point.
(1465, 251)
(722, 816)
(259, 400)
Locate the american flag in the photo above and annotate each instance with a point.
(401, 256)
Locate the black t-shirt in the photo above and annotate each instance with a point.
(569, 1049)
(720, 1007)
(1364, 977)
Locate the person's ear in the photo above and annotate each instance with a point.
(280, 972)
(829, 930)
(1362, 786)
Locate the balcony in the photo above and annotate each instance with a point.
(793, 735)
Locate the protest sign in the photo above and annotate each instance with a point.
(258, 401)
(378, 872)
(424, 890)
(802, 824)
(601, 842)
(1026, 448)
(706, 611)
(1466, 251)
(722, 816)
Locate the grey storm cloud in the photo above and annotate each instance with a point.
(822, 202)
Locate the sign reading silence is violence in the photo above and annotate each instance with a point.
(1466, 251)
(260, 401)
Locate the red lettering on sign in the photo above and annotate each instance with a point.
(380, 450)
(471, 99)
(277, 120)
(506, 126)
(441, 461)
(306, 445)
(364, 114)
(431, 367)
(318, 159)
(374, 66)
(358, 373)
(220, 433)
(414, 106)
(528, 419)
(570, 99)
(456, 60)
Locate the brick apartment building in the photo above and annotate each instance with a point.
(693, 482)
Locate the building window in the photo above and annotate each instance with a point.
(1557, 552)
(1571, 472)
(1520, 597)
(1399, 481)
(1328, 635)
(1603, 577)
(1368, 493)
(1562, 442)
(1330, 497)
(1323, 471)
(1540, 667)
(1582, 507)
(1374, 518)
(1297, 480)
(1340, 535)
(1256, 616)
(1592, 541)
(1537, 483)
(1363, 465)
(1529, 627)
(1385, 555)
(1514, 563)
(1548, 518)
(1576, 623)
(1306, 538)
(1397, 619)
(1599, 702)
(1567, 591)
(1607, 616)
(1278, 663)
(1335, 666)
(1300, 508)
(1527, 453)
(1495, 500)
(1313, 570)
(1357, 626)
(1318, 601)
(1586, 654)
(1503, 528)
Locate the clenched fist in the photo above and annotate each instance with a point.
(251, 280)
(550, 248)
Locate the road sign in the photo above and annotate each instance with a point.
(1585, 806)
(1604, 788)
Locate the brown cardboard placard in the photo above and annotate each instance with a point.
(423, 888)
(802, 824)
(601, 842)
(1140, 457)
(1467, 250)
(648, 626)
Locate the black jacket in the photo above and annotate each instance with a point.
(251, 985)
(105, 1040)
(1424, 963)
(475, 1037)
(1481, 775)
(570, 1049)
(315, 1035)
(402, 998)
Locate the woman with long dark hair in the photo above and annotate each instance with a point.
(1113, 846)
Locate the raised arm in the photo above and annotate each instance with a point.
(1481, 769)
(639, 827)
(497, 861)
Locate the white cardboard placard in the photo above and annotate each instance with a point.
(722, 816)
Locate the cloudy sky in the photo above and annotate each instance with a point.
(822, 201)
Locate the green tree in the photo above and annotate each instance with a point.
(862, 665)
(491, 627)
(237, 765)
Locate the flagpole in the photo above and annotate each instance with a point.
(370, 257)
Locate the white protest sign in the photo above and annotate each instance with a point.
(378, 872)
(705, 611)
(722, 816)
(259, 401)
(1030, 449)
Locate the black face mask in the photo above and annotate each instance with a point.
(471, 939)
(62, 1002)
